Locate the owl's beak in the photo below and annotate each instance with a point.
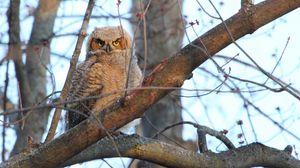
(107, 48)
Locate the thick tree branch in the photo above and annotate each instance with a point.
(168, 155)
(134, 146)
(257, 154)
(171, 72)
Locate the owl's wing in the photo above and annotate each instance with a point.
(85, 84)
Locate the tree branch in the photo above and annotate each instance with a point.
(168, 155)
(137, 147)
(15, 52)
(9, 104)
(72, 68)
(171, 72)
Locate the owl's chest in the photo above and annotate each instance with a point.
(112, 79)
(111, 76)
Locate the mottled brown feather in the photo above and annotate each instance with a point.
(102, 74)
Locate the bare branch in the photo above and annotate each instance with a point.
(280, 89)
(72, 68)
(5, 99)
(202, 131)
(165, 154)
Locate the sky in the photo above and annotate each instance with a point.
(217, 110)
(262, 45)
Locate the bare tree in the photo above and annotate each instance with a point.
(32, 75)
(86, 141)
(161, 23)
(160, 33)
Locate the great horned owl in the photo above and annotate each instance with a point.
(104, 73)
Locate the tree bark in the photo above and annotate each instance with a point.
(159, 35)
(164, 33)
(37, 59)
(165, 154)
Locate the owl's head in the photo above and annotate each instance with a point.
(109, 39)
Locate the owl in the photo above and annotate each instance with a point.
(101, 80)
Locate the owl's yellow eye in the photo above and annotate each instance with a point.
(116, 43)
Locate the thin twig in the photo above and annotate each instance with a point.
(145, 38)
(4, 108)
(72, 68)
(250, 122)
(49, 70)
(248, 102)
(109, 135)
(240, 123)
(254, 67)
(285, 87)
(162, 134)
(207, 130)
(203, 9)
(277, 63)
(59, 104)
(273, 121)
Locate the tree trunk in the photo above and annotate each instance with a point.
(162, 28)
(37, 59)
